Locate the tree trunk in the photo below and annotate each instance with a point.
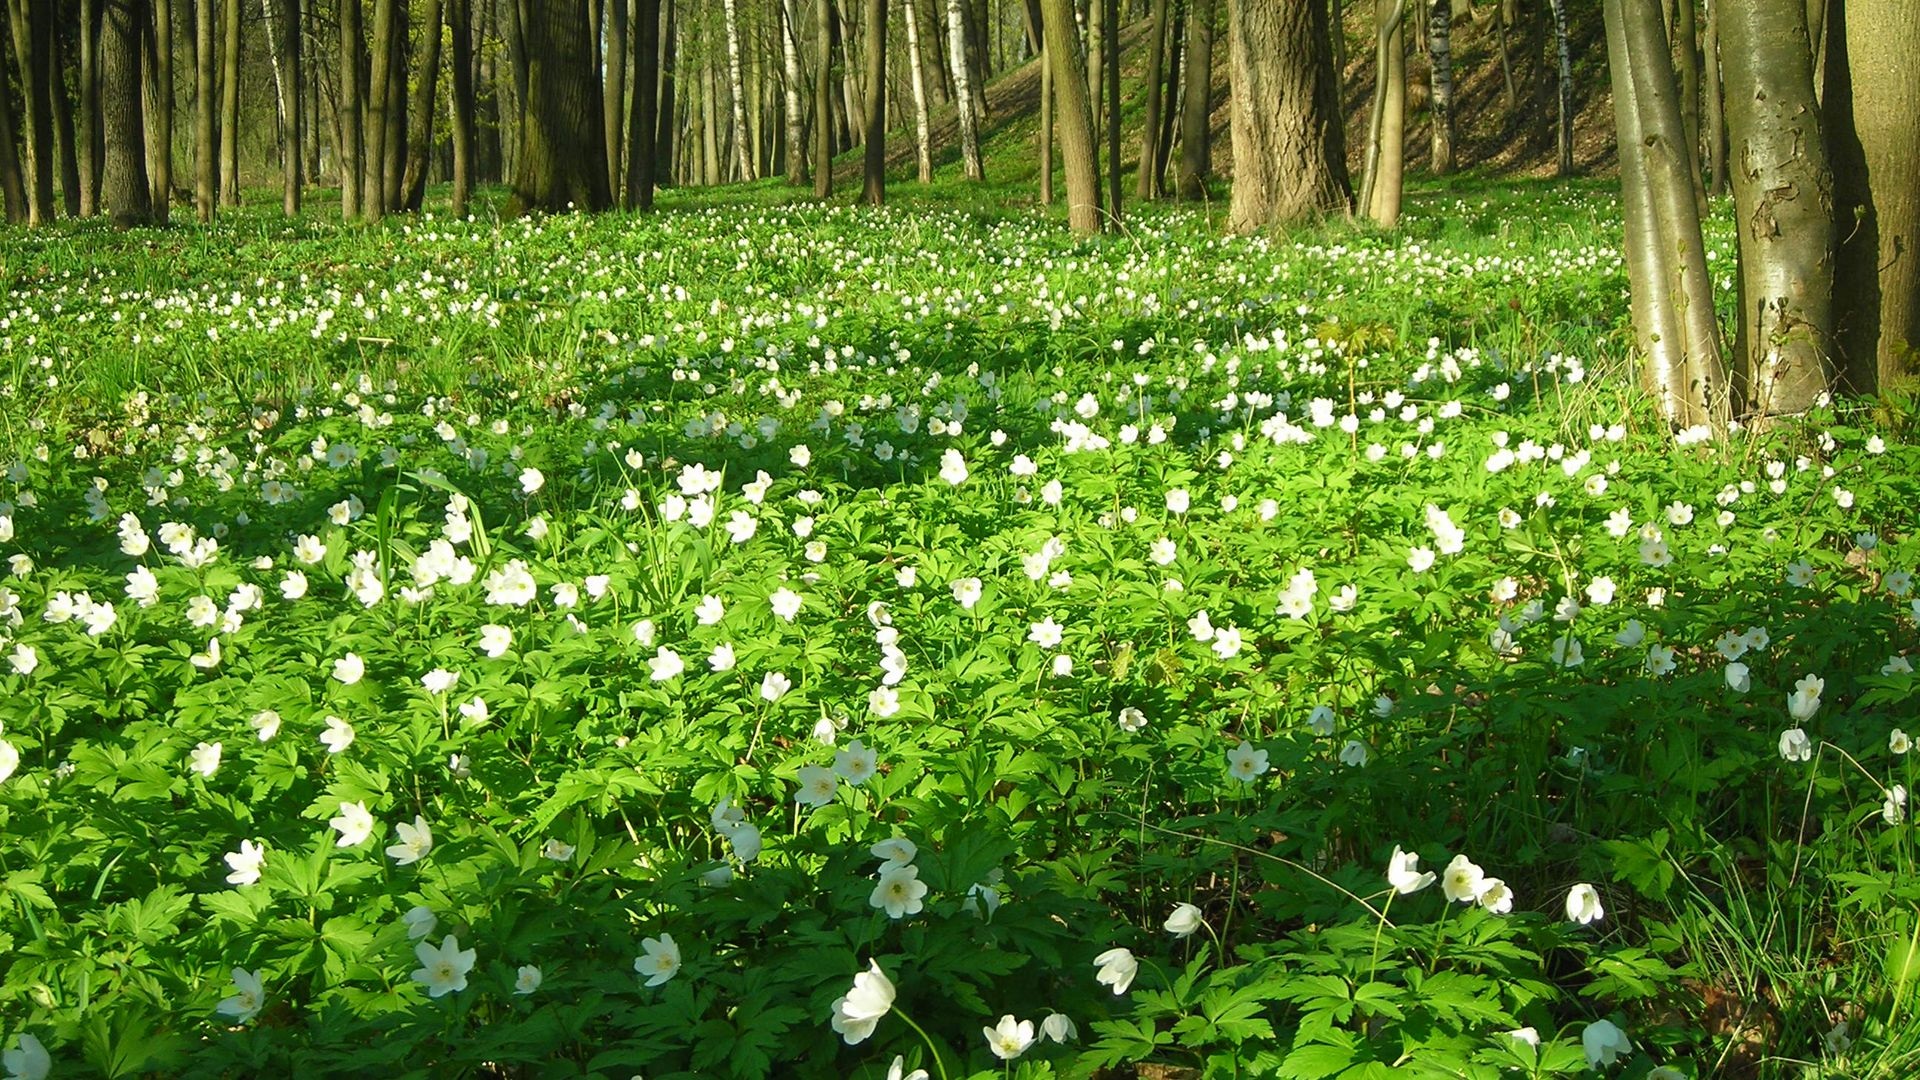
(373, 174)
(614, 99)
(348, 108)
(205, 150)
(1111, 43)
(460, 30)
(393, 156)
(1714, 122)
(1170, 101)
(1563, 129)
(1872, 110)
(1074, 117)
(32, 20)
(310, 113)
(124, 191)
(1440, 64)
(1196, 106)
(669, 66)
(823, 101)
(562, 164)
(63, 131)
(1096, 54)
(743, 163)
(874, 171)
(963, 95)
(12, 182)
(1146, 179)
(230, 104)
(426, 91)
(642, 118)
(1386, 134)
(796, 107)
(1046, 123)
(1500, 22)
(709, 90)
(283, 50)
(1686, 52)
(1673, 301)
(157, 105)
(89, 119)
(1783, 195)
(923, 146)
(1289, 161)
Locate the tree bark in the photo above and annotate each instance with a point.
(1073, 117)
(796, 107)
(373, 174)
(1713, 122)
(1563, 129)
(562, 163)
(63, 130)
(963, 93)
(426, 91)
(614, 98)
(874, 170)
(124, 190)
(460, 31)
(1440, 64)
(1096, 53)
(393, 157)
(1196, 108)
(922, 141)
(12, 181)
(205, 150)
(823, 101)
(230, 104)
(1146, 183)
(89, 118)
(669, 66)
(1046, 123)
(348, 108)
(1386, 134)
(32, 20)
(283, 50)
(643, 118)
(157, 105)
(743, 157)
(1872, 109)
(1686, 53)
(1783, 195)
(1289, 159)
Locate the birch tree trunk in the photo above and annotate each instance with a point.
(823, 101)
(796, 112)
(1563, 129)
(963, 96)
(1074, 117)
(1783, 192)
(743, 165)
(923, 148)
(1872, 109)
(1440, 61)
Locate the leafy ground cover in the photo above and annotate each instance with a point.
(816, 642)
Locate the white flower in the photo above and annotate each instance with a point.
(785, 603)
(1163, 552)
(1898, 742)
(1660, 660)
(415, 841)
(1420, 559)
(531, 481)
(245, 863)
(443, 970)
(900, 891)
(953, 467)
(419, 921)
(1463, 881)
(354, 824)
(659, 959)
(1130, 720)
(1604, 1043)
(1047, 634)
(1894, 810)
(28, 1061)
(1600, 591)
(338, 736)
(1404, 874)
(1739, 677)
(1583, 904)
(1059, 1027)
(817, 785)
(439, 680)
(1795, 746)
(1178, 500)
(527, 979)
(1116, 968)
(857, 1012)
(1009, 1038)
(1226, 642)
(1631, 635)
(1805, 699)
(1495, 896)
(1244, 762)
(205, 759)
(774, 685)
(1354, 753)
(1186, 918)
(247, 1000)
(349, 669)
(966, 592)
(855, 764)
(665, 664)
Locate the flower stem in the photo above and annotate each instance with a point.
(938, 1062)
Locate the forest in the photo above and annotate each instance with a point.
(1110, 539)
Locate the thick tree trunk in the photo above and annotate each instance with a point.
(562, 164)
(393, 158)
(1387, 133)
(89, 118)
(1656, 327)
(1073, 117)
(460, 32)
(230, 104)
(124, 191)
(373, 173)
(791, 85)
(743, 163)
(1146, 183)
(823, 101)
(12, 183)
(922, 141)
(669, 68)
(964, 98)
(32, 21)
(873, 174)
(643, 118)
(1872, 109)
(709, 90)
(426, 91)
(1440, 64)
(348, 110)
(1686, 65)
(1289, 159)
(1196, 106)
(614, 98)
(157, 105)
(1783, 193)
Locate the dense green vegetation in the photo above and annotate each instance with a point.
(582, 646)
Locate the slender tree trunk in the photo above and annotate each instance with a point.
(1440, 64)
(1500, 26)
(669, 116)
(157, 116)
(1714, 123)
(614, 99)
(743, 164)
(205, 149)
(874, 173)
(12, 183)
(310, 56)
(426, 91)
(1147, 178)
(1563, 129)
(1111, 43)
(710, 138)
(63, 131)
(1096, 54)
(1872, 113)
(1047, 96)
(1783, 193)
(460, 31)
(963, 95)
(923, 146)
(283, 45)
(1289, 161)
(373, 175)
(89, 119)
(794, 91)
(393, 158)
(1074, 117)
(230, 104)
(348, 109)
(31, 20)
(1686, 52)
(124, 190)
(1386, 134)
(1196, 106)
(562, 164)
(823, 101)
(642, 118)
